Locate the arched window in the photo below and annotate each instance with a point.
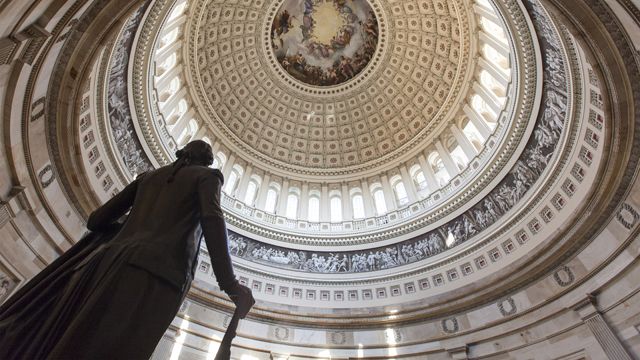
(357, 203)
(494, 29)
(474, 136)
(167, 64)
(420, 181)
(177, 10)
(177, 112)
(182, 106)
(492, 55)
(314, 208)
(219, 160)
(481, 106)
(490, 83)
(233, 180)
(336, 209)
(292, 206)
(174, 85)
(169, 38)
(271, 201)
(173, 88)
(188, 133)
(378, 199)
(459, 157)
(442, 176)
(401, 193)
(252, 190)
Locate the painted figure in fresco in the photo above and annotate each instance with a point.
(118, 296)
(300, 52)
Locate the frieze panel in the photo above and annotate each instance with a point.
(119, 113)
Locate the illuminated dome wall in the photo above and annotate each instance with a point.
(404, 179)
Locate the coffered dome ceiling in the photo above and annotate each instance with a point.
(254, 87)
(402, 97)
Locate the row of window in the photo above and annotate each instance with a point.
(425, 176)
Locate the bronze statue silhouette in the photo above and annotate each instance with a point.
(115, 292)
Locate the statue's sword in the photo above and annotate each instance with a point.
(224, 351)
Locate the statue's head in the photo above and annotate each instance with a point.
(196, 152)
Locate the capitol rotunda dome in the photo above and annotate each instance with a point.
(403, 179)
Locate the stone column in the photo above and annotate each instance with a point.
(226, 169)
(303, 205)
(592, 317)
(486, 12)
(409, 184)
(244, 183)
(215, 146)
(173, 101)
(478, 121)
(347, 211)
(432, 183)
(282, 201)
(165, 79)
(324, 203)
(262, 194)
(488, 97)
(494, 42)
(202, 131)
(389, 194)
(367, 199)
(173, 24)
(448, 162)
(495, 72)
(168, 50)
(464, 142)
(181, 124)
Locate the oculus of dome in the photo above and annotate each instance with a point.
(324, 43)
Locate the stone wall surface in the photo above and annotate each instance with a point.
(584, 303)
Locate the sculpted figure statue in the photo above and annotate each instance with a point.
(114, 298)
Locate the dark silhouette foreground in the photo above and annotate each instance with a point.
(114, 293)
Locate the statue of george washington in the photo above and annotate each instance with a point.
(115, 292)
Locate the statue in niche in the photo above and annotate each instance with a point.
(119, 288)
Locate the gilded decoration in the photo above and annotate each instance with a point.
(324, 42)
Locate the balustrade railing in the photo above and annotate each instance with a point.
(407, 210)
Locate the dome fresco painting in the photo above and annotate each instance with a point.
(402, 179)
(324, 42)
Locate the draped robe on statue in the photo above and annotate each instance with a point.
(115, 292)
